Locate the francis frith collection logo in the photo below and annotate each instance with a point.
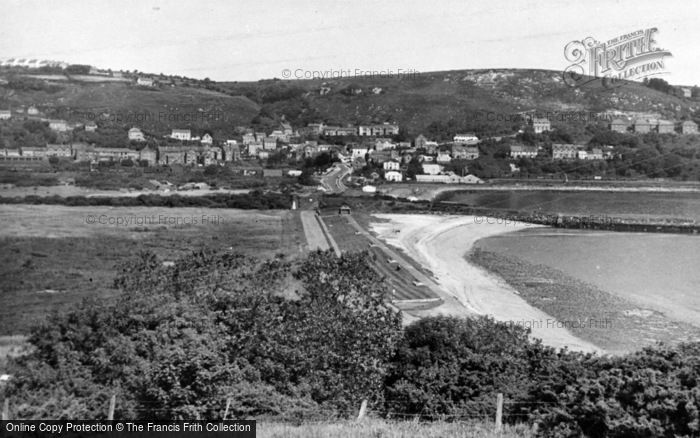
(631, 56)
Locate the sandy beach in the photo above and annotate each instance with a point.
(440, 244)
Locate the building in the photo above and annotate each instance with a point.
(315, 128)
(148, 155)
(33, 151)
(58, 125)
(666, 127)
(91, 127)
(344, 209)
(339, 131)
(5, 114)
(689, 127)
(443, 157)
(540, 125)
(468, 138)
(181, 134)
(145, 82)
(286, 129)
(232, 151)
(393, 176)
(431, 169)
(381, 144)
(378, 130)
(207, 139)
(420, 141)
(248, 138)
(59, 150)
(595, 154)
(461, 152)
(687, 92)
(450, 178)
(642, 126)
(619, 125)
(564, 151)
(269, 143)
(33, 111)
(522, 151)
(391, 165)
(359, 152)
(135, 134)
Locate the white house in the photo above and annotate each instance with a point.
(135, 134)
(181, 134)
(145, 82)
(58, 125)
(5, 114)
(391, 165)
(468, 138)
(207, 139)
(359, 152)
(393, 176)
(431, 169)
(443, 157)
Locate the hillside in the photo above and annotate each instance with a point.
(436, 103)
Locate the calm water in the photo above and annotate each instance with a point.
(657, 271)
(611, 204)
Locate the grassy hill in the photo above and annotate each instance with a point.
(436, 103)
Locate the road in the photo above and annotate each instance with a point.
(333, 180)
(451, 304)
(312, 229)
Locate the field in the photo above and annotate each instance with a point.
(53, 257)
(391, 429)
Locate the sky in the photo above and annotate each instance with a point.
(262, 39)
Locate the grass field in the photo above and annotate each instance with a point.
(52, 257)
(373, 428)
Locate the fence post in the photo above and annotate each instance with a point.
(6, 409)
(228, 405)
(363, 410)
(112, 404)
(499, 412)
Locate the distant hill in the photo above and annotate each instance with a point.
(437, 103)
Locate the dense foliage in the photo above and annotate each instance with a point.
(252, 200)
(281, 340)
(312, 339)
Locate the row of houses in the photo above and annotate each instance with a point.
(385, 129)
(560, 152)
(644, 126)
(165, 155)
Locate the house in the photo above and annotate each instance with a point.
(339, 131)
(315, 128)
(10, 153)
(595, 154)
(461, 152)
(541, 125)
(231, 151)
(689, 127)
(420, 141)
(91, 127)
(344, 209)
(253, 148)
(431, 169)
(58, 125)
(145, 82)
(248, 138)
(666, 127)
(642, 126)
(443, 157)
(286, 129)
(359, 152)
(564, 151)
(148, 155)
(431, 147)
(393, 176)
(59, 150)
(522, 151)
(687, 92)
(582, 155)
(426, 158)
(135, 134)
(391, 165)
(381, 144)
(181, 134)
(33, 151)
(619, 125)
(5, 114)
(207, 139)
(378, 130)
(32, 111)
(450, 178)
(469, 138)
(269, 143)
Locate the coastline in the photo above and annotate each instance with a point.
(440, 243)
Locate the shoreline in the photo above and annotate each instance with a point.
(440, 243)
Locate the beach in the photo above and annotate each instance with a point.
(440, 243)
